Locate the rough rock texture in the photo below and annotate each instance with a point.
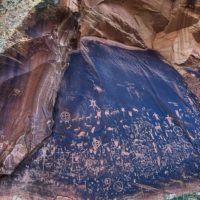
(164, 25)
(30, 75)
(126, 126)
(130, 23)
(167, 26)
(12, 14)
(171, 27)
(35, 40)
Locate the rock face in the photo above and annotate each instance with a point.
(124, 125)
(170, 27)
(12, 14)
(81, 145)
(167, 26)
(30, 77)
(124, 21)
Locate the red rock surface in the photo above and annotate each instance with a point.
(35, 44)
(30, 75)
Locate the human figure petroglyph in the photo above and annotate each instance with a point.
(96, 143)
(170, 120)
(98, 114)
(158, 127)
(167, 148)
(93, 104)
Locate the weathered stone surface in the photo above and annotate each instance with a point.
(166, 26)
(126, 126)
(30, 76)
(35, 48)
(12, 14)
(124, 21)
(178, 43)
(171, 27)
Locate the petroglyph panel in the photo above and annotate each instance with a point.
(125, 122)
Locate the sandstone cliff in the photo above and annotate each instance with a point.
(36, 38)
(169, 27)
